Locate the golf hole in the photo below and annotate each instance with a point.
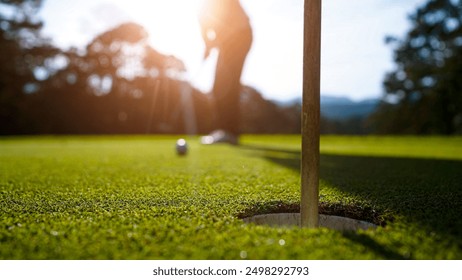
(326, 221)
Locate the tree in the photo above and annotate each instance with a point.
(117, 84)
(24, 56)
(424, 93)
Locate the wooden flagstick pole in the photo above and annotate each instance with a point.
(311, 114)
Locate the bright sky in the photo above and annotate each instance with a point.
(354, 56)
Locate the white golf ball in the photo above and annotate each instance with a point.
(181, 147)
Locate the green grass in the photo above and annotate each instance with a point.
(132, 197)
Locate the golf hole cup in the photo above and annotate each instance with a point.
(181, 147)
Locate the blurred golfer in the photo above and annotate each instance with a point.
(226, 28)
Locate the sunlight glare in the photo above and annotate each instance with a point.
(173, 29)
(173, 25)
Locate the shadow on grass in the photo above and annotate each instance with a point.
(373, 245)
(424, 191)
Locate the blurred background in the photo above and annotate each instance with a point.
(119, 67)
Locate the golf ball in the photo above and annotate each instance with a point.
(181, 147)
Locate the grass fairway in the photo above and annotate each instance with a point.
(132, 197)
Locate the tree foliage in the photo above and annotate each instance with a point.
(424, 93)
(23, 54)
(113, 86)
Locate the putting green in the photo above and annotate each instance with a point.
(133, 197)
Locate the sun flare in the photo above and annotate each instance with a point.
(173, 28)
(172, 25)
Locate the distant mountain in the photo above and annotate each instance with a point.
(340, 108)
(328, 99)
